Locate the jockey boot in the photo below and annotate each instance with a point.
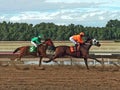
(37, 51)
(77, 50)
(76, 45)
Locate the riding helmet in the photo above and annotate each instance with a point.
(82, 33)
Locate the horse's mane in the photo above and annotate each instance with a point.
(88, 39)
(48, 39)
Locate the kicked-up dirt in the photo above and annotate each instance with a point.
(53, 77)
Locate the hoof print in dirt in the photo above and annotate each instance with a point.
(39, 68)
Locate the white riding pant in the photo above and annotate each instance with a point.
(72, 40)
(34, 43)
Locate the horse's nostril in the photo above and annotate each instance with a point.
(99, 45)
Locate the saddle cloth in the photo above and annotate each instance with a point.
(33, 49)
(73, 48)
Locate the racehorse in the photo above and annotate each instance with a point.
(82, 52)
(25, 50)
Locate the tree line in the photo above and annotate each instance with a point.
(24, 32)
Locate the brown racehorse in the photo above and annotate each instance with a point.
(41, 49)
(83, 52)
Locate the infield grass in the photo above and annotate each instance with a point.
(109, 46)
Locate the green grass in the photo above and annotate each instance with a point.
(116, 40)
(105, 45)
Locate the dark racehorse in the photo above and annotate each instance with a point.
(83, 52)
(25, 50)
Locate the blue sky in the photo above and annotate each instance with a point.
(61, 12)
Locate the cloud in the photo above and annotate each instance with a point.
(63, 16)
(84, 12)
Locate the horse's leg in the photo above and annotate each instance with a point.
(97, 61)
(85, 59)
(40, 61)
(18, 57)
(13, 58)
(50, 59)
(56, 55)
(13, 61)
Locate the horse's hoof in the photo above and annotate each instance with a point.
(45, 61)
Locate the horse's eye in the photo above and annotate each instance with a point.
(97, 42)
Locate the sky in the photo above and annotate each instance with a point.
(95, 13)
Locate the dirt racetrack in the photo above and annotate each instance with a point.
(59, 78)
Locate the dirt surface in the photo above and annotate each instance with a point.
(59, 78)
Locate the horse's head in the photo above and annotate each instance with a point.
(93, 42)
(44, 46)
(48, 42)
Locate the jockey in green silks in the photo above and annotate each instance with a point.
(36, 40)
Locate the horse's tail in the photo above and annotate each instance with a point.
(17, 49)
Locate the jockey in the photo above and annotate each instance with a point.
(36, 40)
(77, 39)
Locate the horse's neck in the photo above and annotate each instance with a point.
(87, 46)
(43, 46)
